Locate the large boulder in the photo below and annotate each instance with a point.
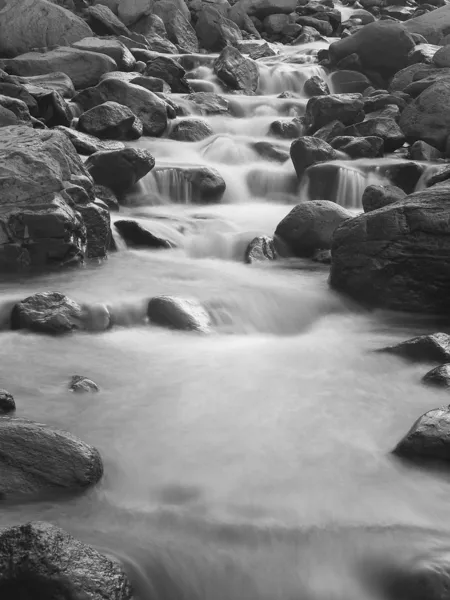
(377, 196)
(104, 22)
(146, 105)
(384, 128)
(181, 32)
(119, 169)
(427, 118)
(345, 108)
(170, 71)
(429, 437)
(310, 226)
(111, 120)
(47, 312)
(98, 229)
(32, 24)
(359, 147)
(433, 26)
(53, 82)
(382, 47)
(398, 256)
(179, 313)
(236, 71)
(37, 460)
(39, 560)
(112, 47)
(307, 151)
(84, 68)
(215, 31)
(84, 143)
(130, 11)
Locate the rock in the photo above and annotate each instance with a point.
(20, 93)
(98, 227)
(307, 36)
(429, 437)
(438, 176)
(422, 53)
(316, 86)
(7, 117)
(378, 196)
(263, 8)
(159, 44)
(53, 82)
(348, 82)
(382, 100)
(47, 312)
(178, 313)
(146, 105)
(329, 131)
(130, 11)
(236, 71)
(406, 76)
(271, 152)
(191, 130)
(214, 31)
(287, 130)
(104, 22)
(346, 108)
(123, 58)
(170, 71)
(119, 169)
(260, 249)
(310, 226)
(136, 235)
(359, 147)
(53, 109)
(416, 88)
(423, 151)
(323, 27)
(166, 8)
(382, 47)
(107, 196)
(307, 151)
(263, 51)
(207, 184)
(433, 26)
(274, 24)
(88, 144)
(385, 128)
(111, 120)
(208, 103)
(426, 348)
(427, 118)
(439, 376)
(7, 403)
(18, 108)
(83, 68)
(40, 557)
(36, 24)
(153, 84)
(397, 257)
(181, 32)
(80, 384)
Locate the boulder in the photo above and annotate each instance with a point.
(47, 312)
(207, 184)
(378, 196)
(382, 47)
(104, 22)
(166, 8)
(32, 24)
(271, 152)
(136, 235)
(427, 348)
(214, 31)
(88, 144)
(433, 26)
(53, 109)
(159, 44)
(307, 151)
(170, 71)
(208, 103)
(406, 76)
(119, 169)
(346, 108)
(262, 51)
(111, 120)
(178, 313)
(331, 130)
(146, 105)
(53, 82)
(348, 82)
(260, 249)
(236, 71)
(359, 147)
(153, 84)
(310, 226)
(130, 11)
(428, 438)
(422, 53)
(286, 130)
(20, 93)
(427, 118)
(382, 127)
(98, 227)
(397, 257)
(123, 58)
(323, 27)
(191, 130)
(81, 384)
(274, 24)
(7, 403)
(38, 460)
(316, 86)
(39, 560)
(7, 117)
(18, 108)
(83, 68)
(439, 376)
(422, 151)
(263, 8)
(181, 33)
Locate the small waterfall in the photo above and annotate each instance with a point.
(428, 172)
(228, 150)
(286, 77)
(273, 183)
(172, 185)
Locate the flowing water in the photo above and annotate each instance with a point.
(253, 463)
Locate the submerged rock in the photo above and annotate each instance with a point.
(36, 459)
(179, 313)
(39, 560)
(434, 347)
(47, 312)
(137, 235)
(7, 403)
(80, 384)
(429, 437)
(260, 249)
(439, 376)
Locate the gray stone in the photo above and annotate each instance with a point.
(378, 196)
(111, 120)
(236, 71)
(428, 438)
(119, 169)
(178, 313)
(307, 151)
(81, 384)
(191, 130)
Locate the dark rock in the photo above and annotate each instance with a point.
(310, 226)
(214, 31)
(81, 384)
(439, 376)
(426, 348)
(422, 53)
(268, 151)
(434, 26)
(181, 32)
(378, 196)
(89, 144)
(53, 82)
(429, 437)
(359, 147)
(423, 151)
(316, 86)
(208, 103)
(135, 234)
(178, 313)
(39, 560)
(18, 108)
(442, 174)
(171, 71)
(119, 169)
(236, 71)
(274, 24)
(53, 109)
(191, 130)
(322, 256)
(262, 51)
(104, 22)
(47, 312)
(346, 108)
(7, 403)
(382, 127)
(287, 130)
(323, 27)
(382, 100)
(405, 77)
(307, 151)
(207, 184)
(98, 228)
(107, 196)
(154, 84)
(260, 249)
(348, 82)
(329, 131)
(123, 58)
(307, 36)
(20, 93)
(7, 117)
(111, 120)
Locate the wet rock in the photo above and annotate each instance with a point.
(422, 53)
(53, 82)
(440, 175)
(53, 109)
(123, 58)
(260, 249)
(386, 129)
(429, 437)
(322, 256)
(191, 130)
(287, 130)
(316, 86)
(378, 196)
(181, 32)
(346, 108)
(119, 169)
(214, 31)
(104, 22)
(263, 51)
(136, 235)
(426, 348)
(439, 376)
(40, 557)
(107, 196)
(98, 229)
(47, 312)
(18, 108)
(236, 71)
(208, 103)
(178, 313)
(81, 384)
(83, 68)
(348, 82)
(433, 26)
(423, 151)
(359, 147)
(153, 84)
(307, 36)
(323, 27)
(404, 267)
(171, 71)
(382, 47)
(111, 120)
(329, 131)
(130, 12)
(88, 144)
(269, 151)
(310, 226)
(36, 24)
(146, 105)
(7, 403)
(307, 151)
(208, 185)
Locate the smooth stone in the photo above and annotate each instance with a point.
(179, 313)
(379, 196)
(119, 169)
(428, 438)
(191, 130)
(346, 108)
(236, 71)
(136, 235)
(307, 151)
